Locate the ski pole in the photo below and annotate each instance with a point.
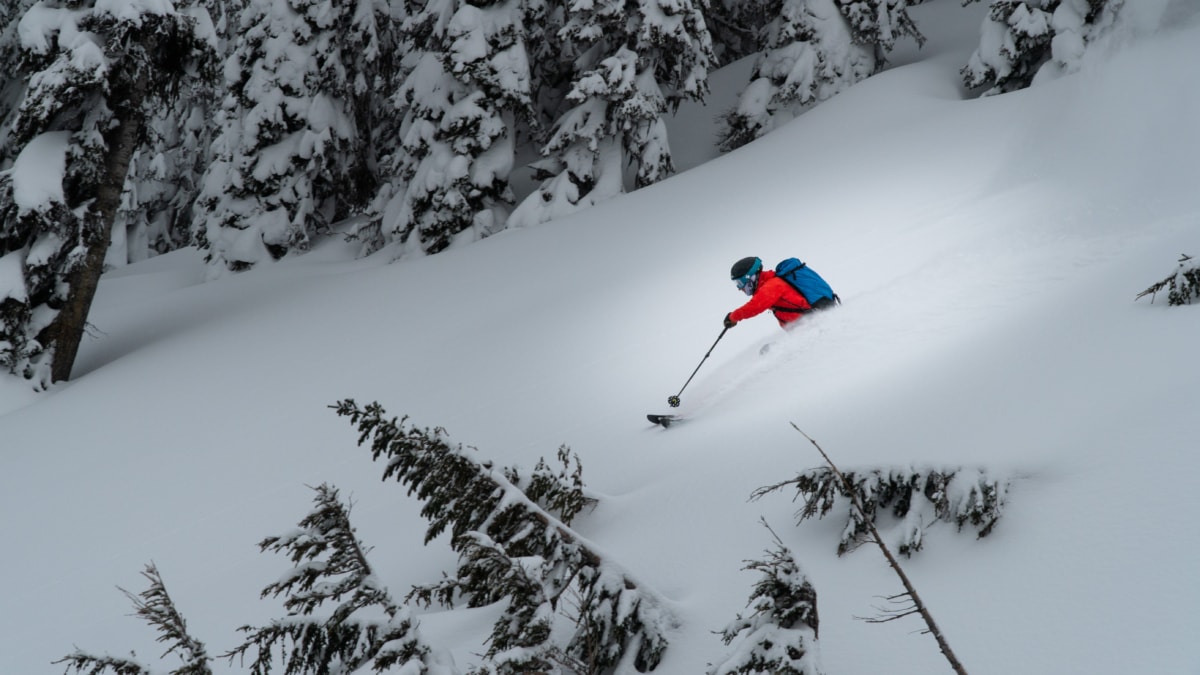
(673, 401)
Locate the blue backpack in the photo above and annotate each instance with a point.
(808, 283)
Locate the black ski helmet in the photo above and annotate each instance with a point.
(745, 267)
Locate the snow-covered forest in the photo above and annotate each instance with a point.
(251, 129)
(241, 238)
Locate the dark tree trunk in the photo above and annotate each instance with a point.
(67, 331)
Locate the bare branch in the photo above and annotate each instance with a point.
(910, 590)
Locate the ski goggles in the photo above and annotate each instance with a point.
(746, 284)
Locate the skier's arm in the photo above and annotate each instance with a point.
(763, 299)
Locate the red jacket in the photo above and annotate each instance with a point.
(775, 294)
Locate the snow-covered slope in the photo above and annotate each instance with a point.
(988, 253)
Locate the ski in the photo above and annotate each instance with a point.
(664, 421)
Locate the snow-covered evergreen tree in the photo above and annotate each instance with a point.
(780, 636)
(633, 62)
(366, 630)
(86, 70)
(529, 581)
(559, 492)
(165, 172)
(370, 51)
(463, 102)
(550, 66)
(290, 159)
(1077, 24)
(154, 606)
(879, 23)
(1021, 39)
(1014, 43)
(737, 26)
(521, 638)
(809, 56)
(1182, 286)
(385, 114)
(512, 550)
(811, 50)
(155, 213)
(11, 85)
(917, 497)
(616, 113)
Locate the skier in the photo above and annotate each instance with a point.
(769, 291)
(784, 290)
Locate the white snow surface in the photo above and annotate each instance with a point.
(987, 251)
(12, 278)
(37, 173)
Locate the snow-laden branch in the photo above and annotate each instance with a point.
(511, 548)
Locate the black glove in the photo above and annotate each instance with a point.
(729, 322)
